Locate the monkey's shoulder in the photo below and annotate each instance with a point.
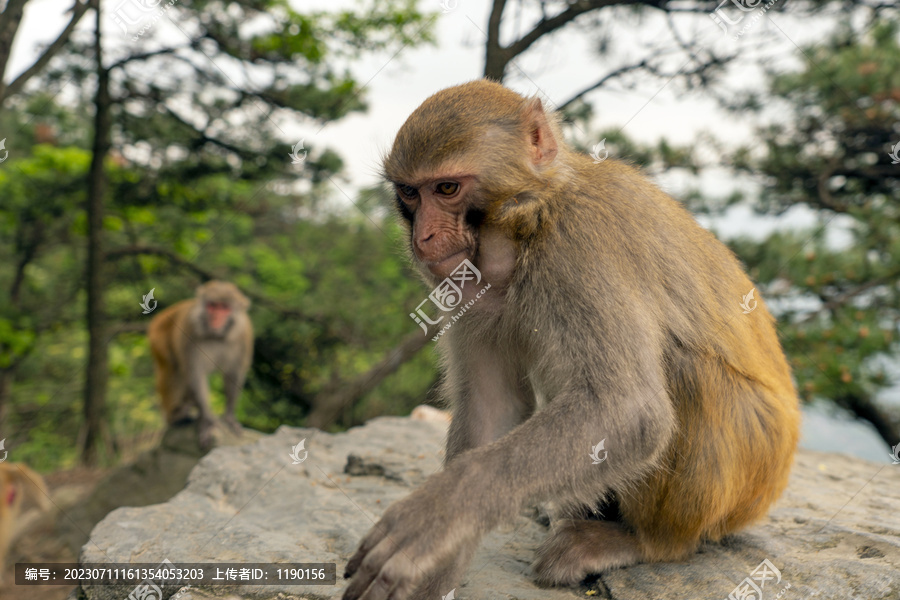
(166, 318)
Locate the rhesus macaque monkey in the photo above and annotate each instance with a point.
(19, 486)
(193, 338)
(612, 315)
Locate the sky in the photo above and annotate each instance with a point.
(554, 69)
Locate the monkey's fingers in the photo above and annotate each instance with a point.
(375, 535)
(378, 573)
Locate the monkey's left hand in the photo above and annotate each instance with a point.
(420, 545)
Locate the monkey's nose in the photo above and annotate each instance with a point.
(425, 238)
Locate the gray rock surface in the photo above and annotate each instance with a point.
(154, 477)
(834, 534)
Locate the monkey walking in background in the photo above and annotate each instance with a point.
(19, 487)
(612, 315)
(192, 339)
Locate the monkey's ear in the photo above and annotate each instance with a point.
(541, 139)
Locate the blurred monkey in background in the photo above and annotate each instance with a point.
(192, 339)
(20, 487)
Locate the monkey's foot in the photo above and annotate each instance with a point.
(576, 549)
(205, 433)
(233, 424)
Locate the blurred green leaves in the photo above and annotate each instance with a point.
(201, 186)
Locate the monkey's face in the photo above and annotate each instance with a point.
(218, 315)
(463, 154)
(444, 219)
(9, 497)
(220, 300)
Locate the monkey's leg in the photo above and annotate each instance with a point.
(577, 548)
(234, 383)
(712, 481)
(180, 411)
(177, 400)
(199, 386)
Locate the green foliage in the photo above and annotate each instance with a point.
(200, 185)
(833, 153)
(838, 302)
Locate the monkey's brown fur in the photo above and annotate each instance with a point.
(19, 486)
(187, 349)
(612, 315)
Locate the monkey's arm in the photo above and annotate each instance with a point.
(547, 455)
(488, 401)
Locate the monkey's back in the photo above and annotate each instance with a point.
(725, 372)
(160, 331)
(682, 269)
(167, 359)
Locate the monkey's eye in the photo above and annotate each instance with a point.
(447, 188)
(407, 191)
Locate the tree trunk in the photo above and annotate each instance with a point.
(495, 63)
(9, 25)
(6, 381)
(328, 405)
(95, 422)
(8, 373)
(16, 85)
(495, 56)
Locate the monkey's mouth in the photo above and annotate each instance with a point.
(442, 267)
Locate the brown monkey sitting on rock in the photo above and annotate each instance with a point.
(612, 316)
